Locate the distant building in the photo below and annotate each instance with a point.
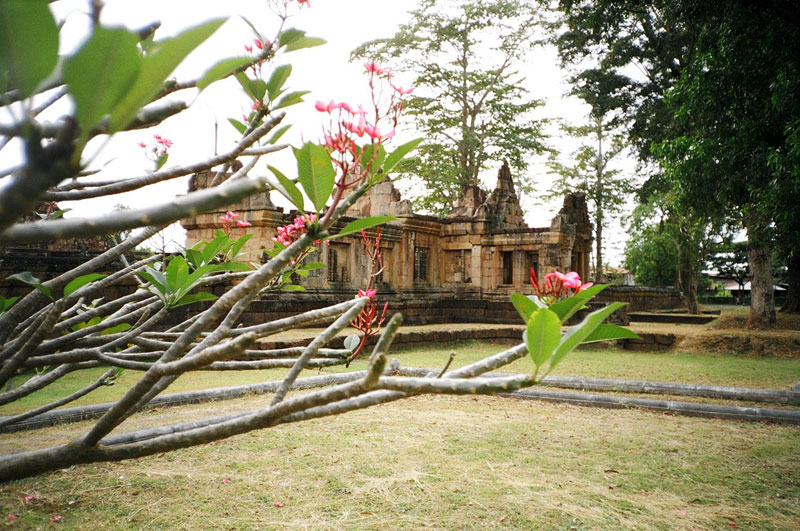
(483, 249)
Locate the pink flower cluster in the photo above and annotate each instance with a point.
(290, 233)
(159, 147)
(231, 218)
(367, 293)
(557, 285)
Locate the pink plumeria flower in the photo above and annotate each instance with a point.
(368, 293)
(248, 48)
(259, 44)
(402, 91)
(373, 68)
(243, 223)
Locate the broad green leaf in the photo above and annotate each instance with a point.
(116, 329)
(315, 173)
(397, 155)
(28, 45)
(606, 332)
(194, 297)
(575, 335)
(279, 133)
(288, 189)
(351, 342)
(311, 266)
(177, 273)
(374, 160)
(293, 287)
(277, 80)
(239, 126)
(161, 60)
(569, 306)
(361, 224)
(214, 247)
(100, 74)
(6, 303)
(292, 98)
(524, 305)
(81, 281)
(302, 272)
(247, 84)
(542, 335)
(153, 278)
(161, 160)
(221, 69)
(194, 257)
(260, 89)
(295, 39)
(238, 244)
(27, 278)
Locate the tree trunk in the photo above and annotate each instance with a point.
(688, 279)
(792, 303)
(762, 296)
(598, 269)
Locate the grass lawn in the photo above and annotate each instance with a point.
(433, 463)
(712, 369)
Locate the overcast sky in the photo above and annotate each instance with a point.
(324, 70)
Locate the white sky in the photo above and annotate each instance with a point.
(324, 70)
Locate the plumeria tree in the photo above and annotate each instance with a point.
(116, 82)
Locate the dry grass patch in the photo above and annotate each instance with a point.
(437, 463)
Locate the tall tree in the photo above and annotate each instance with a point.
(733, 126)
(469, 101)
(606, 188)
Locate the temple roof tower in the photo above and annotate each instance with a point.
(505, 211)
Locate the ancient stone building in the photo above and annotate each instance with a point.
(482, 251)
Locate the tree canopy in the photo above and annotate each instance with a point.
(469, 101)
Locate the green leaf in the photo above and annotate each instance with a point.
(315, 173)
(606, 332)
(27, 278)
(222, 69)
(161, 160)
(542, 335)
(239, 126)
(311, 266)
(194, 297)
(295, 39)
(367, 157)
(214, 247)
(361, 224)
(162, 59)
(6, 303)
(569, 306)
(277, 80)
(292, 98)
(101, 73)
(155, 278)
(351, 342)
(28, 45)
(292, 287)
(288, 189)
(116, 329)
(575, 335)
(524, 305)
(177, 273)
(398, 154)
(279, 133)
(247, 84)
(302, 272)
(195, 257)
(238, 244)
(81, 281)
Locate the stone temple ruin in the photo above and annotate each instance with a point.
(462, 267)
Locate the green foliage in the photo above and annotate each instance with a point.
(361, 224)
(160, 59)
(546, 343)
(173, 286)
(27, 278)
(81, 281)
(315, 173)
(222, 248)
(7, 302)
(221, 69)
(28, 44)
(468, 102)
(101, 73)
